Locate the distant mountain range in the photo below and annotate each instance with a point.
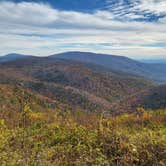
(85, 81)
(12, 56)
(80, 85)
(154, 61)
(153, 71)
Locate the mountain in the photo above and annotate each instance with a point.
(86, 86)
(154, 61)
(12, 56)
(79, 85)
(155, 72)
(155, 98)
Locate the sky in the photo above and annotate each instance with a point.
(133, 28)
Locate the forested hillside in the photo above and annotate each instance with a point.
(155, 98)
(80, 85)
(155, 72)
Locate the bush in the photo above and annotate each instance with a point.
(54, 138)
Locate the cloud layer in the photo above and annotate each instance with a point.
(39, 29)
(135, 9)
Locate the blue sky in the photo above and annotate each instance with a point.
(134, 28)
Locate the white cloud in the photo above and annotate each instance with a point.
(153, 6)
(34, 28)
(137, 8)
(162, 20)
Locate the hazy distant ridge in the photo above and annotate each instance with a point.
(153, 71)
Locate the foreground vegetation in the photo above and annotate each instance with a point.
(66, 138)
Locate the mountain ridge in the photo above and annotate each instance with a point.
(155, 72)
(12, 56)
(71, 82)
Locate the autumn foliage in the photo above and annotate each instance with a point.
(77, 138)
